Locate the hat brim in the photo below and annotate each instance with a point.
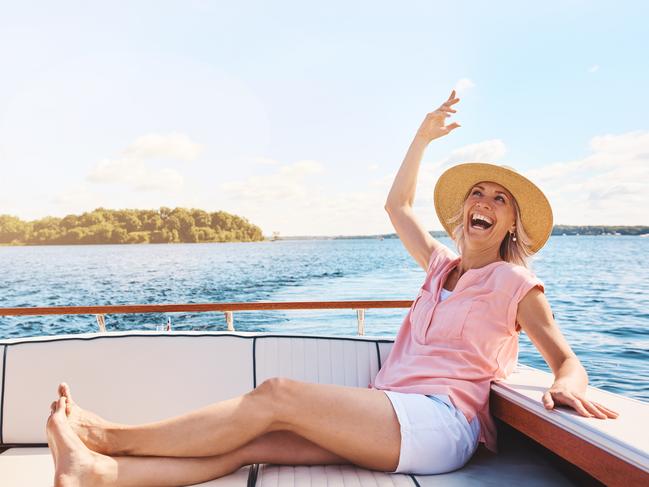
(454, 184)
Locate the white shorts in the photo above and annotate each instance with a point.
(435, 436)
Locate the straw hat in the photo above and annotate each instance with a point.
(454, 184)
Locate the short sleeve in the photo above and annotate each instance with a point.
(527, 281)
(441, 255)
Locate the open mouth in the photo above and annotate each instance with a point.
(480, 222)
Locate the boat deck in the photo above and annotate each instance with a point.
(212, 366)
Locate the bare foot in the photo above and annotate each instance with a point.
(74, 464)
(93, 430)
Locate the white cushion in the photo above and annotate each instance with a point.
(385, 348)
(343, 361)
(124, 377)
(327, 476)
(27, 467)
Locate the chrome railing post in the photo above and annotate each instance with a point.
(229, 320)
(360, 318)
(101, 323)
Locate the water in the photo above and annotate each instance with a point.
(598, 288)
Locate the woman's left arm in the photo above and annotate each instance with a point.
(570, 378)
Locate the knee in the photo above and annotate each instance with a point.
(276, 394)
(274, 387)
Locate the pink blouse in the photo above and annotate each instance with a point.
(460, 345)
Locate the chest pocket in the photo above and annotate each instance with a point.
(432, 321)
(449, 319)
(422, 311)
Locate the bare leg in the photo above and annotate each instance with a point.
(78, 466)
(354, 423)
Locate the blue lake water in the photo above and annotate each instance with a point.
(598, 288)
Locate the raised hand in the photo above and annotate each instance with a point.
(433, 125)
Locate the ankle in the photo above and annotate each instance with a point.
(104, 471)
(115, 437)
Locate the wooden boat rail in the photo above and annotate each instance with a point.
(227, 308)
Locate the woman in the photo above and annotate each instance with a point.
(428, 407)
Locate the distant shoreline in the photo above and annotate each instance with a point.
(557, 231)
(104, 226)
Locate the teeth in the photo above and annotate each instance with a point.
(478, 216)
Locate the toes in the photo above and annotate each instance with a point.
(64, 390)
(59, 405)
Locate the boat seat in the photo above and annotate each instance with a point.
(33, 467)
(135, 377)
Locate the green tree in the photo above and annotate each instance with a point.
(70, 221)
(119, 236)
(12, 229)
(201, 218)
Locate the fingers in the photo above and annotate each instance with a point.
(547, 400)
(592, 409)
(446, 107)
(609, 412)
(602, 411)
(579, 403)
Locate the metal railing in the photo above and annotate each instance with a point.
(228, 309)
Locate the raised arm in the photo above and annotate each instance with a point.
(570, 378)
(416, 239)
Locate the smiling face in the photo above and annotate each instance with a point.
(488, 215)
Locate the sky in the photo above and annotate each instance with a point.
(297, 115)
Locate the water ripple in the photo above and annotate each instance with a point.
(598, 288)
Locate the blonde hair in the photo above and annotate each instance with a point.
(518, 252)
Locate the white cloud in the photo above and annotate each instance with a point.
(486, 151)
(285, 184)
(130, 168)
(593, 68)
(463, 85)
(265, 161)
(136, 174)
(171, 146)
(295, 200)
(607, 187)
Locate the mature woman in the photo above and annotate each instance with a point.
(426, 411)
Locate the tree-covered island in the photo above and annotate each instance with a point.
(103, 226)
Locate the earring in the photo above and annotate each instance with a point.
(513, 236)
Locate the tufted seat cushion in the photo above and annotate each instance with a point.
(135, 377)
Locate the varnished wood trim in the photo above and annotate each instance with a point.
(603, 466)
(200, 307)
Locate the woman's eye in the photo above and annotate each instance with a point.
(475, 191)
(501, 198)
